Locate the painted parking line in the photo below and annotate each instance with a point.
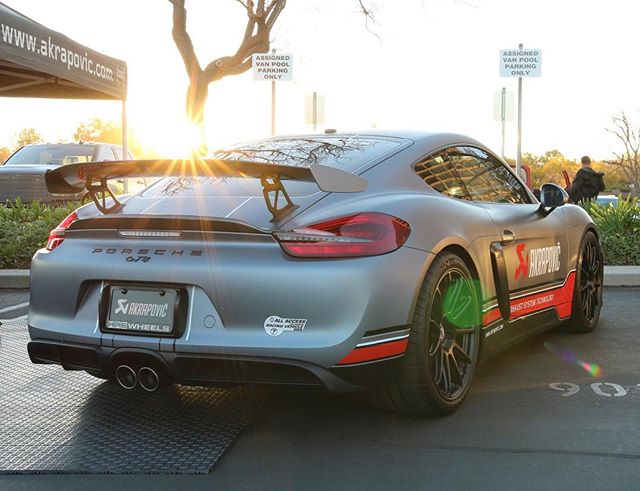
(13, 307)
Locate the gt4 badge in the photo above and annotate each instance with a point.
(274, 325)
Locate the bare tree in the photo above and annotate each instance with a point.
(261, 16)
(628, 158)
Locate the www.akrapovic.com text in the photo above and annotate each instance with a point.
(48, 49)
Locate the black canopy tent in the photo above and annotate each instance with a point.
(38, 62)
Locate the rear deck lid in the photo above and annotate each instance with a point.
(241, 199)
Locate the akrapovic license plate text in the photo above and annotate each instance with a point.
(146, 311)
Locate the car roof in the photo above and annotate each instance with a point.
(89, 144)
(426, 138)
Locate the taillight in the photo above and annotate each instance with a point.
(363, 234)
(56, 236)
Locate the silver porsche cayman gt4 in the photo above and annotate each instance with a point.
(391, 262)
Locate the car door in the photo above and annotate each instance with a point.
(534, 245)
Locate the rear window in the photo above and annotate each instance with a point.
(52, 155)
(344, 152)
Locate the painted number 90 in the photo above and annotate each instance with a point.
(605, 389)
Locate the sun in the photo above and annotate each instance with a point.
(170, 137)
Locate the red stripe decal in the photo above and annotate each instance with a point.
(561, 298)
(370, 353)
(491, 316)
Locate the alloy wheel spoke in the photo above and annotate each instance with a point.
(588, 313)
(462, 354)
(454, 290)
(446, 374)
(435, 368)
(439, 368)
(434, 349)
(456, 373)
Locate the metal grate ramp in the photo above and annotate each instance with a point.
(55, 421)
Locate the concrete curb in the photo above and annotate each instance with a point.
(14, 278)
(613, 276)
(622, 276)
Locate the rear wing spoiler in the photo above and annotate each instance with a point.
(93, 176)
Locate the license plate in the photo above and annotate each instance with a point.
(142, 311)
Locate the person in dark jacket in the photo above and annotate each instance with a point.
(587, 183)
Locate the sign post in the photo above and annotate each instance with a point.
(276, 68)
(519, 137)
(273, 108)
(503, 116)
(520, 63)
(503, 111)
(314, 110)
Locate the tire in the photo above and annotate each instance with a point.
(587, 291)
(445, 327)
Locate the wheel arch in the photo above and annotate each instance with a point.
(463, 253)
(465, 256)
(589, 228)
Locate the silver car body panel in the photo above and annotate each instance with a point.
(238, 280)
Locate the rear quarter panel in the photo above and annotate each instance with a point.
(436, 221)
(577, 222)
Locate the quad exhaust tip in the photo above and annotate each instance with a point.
(148, 379)
(126, 377)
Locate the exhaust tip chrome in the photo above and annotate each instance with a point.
(149, 379)
(126, 377)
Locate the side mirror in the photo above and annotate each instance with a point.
(552, 196)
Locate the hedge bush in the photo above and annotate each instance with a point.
(619, 229)
(24, 228)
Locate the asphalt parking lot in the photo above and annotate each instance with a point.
(557, 412)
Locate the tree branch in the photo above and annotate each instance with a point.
(628, 160)
(369, 17)
(255, 40)
(183, 40)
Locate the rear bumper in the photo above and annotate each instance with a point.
(204, 369)
(231, 303)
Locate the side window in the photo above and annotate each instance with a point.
(486, 178)
(472, 174)
(439, 172)
(118, 152)
(105, 154)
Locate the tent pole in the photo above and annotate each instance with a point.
(125, 154)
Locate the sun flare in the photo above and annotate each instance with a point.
(179, 139)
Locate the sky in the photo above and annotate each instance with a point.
(431, 64)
